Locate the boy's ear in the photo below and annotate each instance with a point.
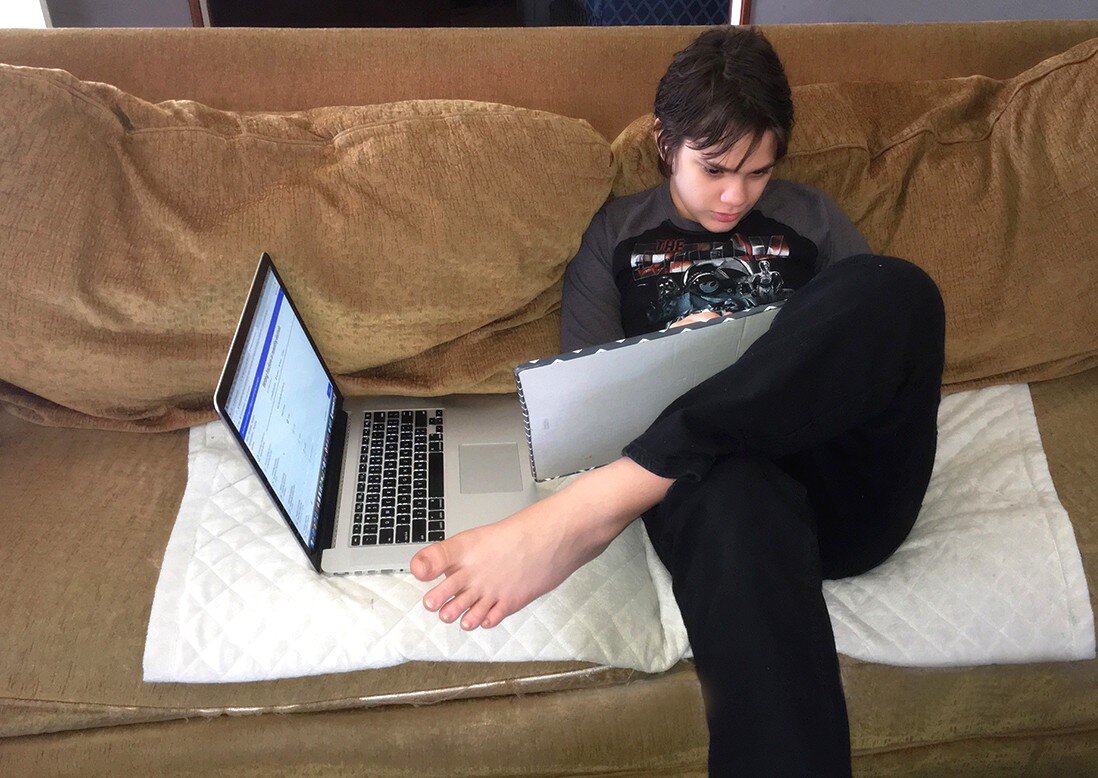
(657, 130)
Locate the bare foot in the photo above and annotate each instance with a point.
(495, 570)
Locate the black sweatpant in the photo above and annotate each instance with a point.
(806, 459)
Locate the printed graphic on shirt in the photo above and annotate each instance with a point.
(725, 276)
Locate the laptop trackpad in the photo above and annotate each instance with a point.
(489, 467)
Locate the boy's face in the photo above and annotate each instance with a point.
(717, 192)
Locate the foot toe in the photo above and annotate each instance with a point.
(474, 617)
(497, 614)
(441, 594)
(457, 606)
(429, 563)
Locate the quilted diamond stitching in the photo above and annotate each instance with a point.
(250, 606)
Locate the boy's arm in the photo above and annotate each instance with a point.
(590, 305)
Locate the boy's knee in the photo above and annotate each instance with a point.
(737, 490)
(902, 281)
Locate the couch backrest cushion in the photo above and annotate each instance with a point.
(423, 241)
(990, 186)
(606, 75)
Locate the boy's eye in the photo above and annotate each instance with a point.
(712, 171)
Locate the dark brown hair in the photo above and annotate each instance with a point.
(727, 84)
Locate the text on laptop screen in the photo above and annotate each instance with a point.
(282, 402)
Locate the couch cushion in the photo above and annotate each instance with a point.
(606, 75)
(990, 186)
(423, 241)
(76, 611)
(86, 516)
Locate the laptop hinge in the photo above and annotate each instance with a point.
(329, 502)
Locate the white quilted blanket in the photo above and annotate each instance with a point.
(991, 573)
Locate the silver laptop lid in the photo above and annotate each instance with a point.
(282, 405)
(582, 408)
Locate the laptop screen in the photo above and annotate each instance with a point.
(283, 405)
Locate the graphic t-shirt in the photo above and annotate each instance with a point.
(642, 266)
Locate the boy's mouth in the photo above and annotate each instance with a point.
(725, 217)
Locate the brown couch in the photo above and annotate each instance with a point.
(88, 493)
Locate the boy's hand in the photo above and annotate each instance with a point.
(694, 318)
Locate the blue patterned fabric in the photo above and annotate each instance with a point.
(627, 12)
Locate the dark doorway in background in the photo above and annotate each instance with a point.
(329, 13)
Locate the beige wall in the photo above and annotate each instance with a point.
(27, 14)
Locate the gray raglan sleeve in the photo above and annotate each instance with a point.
(843, 239)
(590, 305)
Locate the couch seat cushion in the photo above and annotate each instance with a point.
(106, 501)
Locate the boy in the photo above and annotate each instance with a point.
(806, 459)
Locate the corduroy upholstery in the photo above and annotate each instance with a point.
(424, 242)
(75, 609)
(986, 184)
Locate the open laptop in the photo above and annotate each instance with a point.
(363, 483)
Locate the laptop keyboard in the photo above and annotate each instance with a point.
(400, 496)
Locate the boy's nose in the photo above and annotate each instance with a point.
(732, 195)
